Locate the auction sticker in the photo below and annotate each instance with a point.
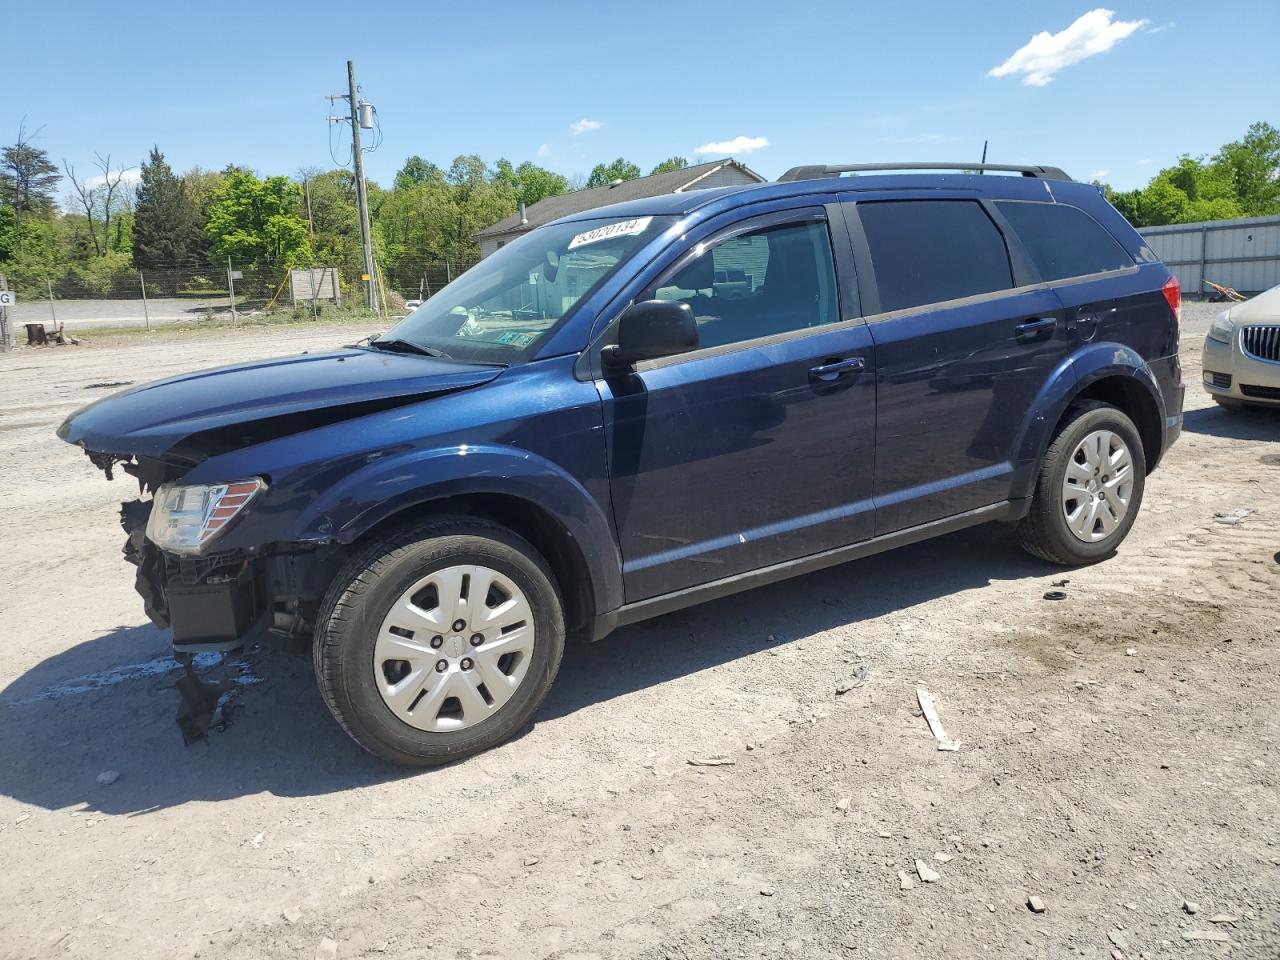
(624, 228)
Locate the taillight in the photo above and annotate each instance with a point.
(1172, 291)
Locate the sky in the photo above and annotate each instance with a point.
(1111, 93)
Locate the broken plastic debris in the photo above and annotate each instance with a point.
(935, 725)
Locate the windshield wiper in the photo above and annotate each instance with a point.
(407, 346)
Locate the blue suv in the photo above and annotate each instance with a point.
(642, 407)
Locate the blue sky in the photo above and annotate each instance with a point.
(820, 82)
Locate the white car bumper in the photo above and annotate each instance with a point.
(1231, 371)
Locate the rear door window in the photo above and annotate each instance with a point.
(928, 251)
(1063, 241)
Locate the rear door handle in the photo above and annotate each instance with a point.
(1036, 329)
(837, 368)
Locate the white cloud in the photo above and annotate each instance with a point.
(739, 144)
(1047, 53)
(1163, 27)
(1099, 174)
(129, 178)
(544, 150)
(584, 125)
(1144, 161)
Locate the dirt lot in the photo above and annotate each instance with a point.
(1119, 748)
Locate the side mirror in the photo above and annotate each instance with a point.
(651, 329)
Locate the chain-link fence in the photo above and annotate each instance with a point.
(83, 299)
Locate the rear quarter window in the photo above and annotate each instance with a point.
(1062, 241)
(928, 251)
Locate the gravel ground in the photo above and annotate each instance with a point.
(1119, 748)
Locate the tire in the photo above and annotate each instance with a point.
(1045, 531)
(354, 653)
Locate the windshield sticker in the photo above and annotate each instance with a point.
(626, 228)
(515, 338)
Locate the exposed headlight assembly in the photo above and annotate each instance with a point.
(1222, 327)
(186, 517)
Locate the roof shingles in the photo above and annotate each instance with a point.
(566, 204)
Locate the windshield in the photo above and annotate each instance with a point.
(500, 309)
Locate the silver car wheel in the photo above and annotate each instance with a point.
(1098, 486)
(454, 648)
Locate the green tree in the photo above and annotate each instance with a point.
(258, 223)
(669, 165)
(166, 222)
(1253, 166)
(604, 174)
(416, 172)
(528, 182)
(27, 176)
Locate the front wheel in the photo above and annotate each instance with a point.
(1089, 489)
(439, 641)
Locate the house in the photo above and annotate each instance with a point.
(717, 173)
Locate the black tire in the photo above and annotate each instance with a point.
(1043, 532)
(361, 595)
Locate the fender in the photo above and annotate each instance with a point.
(1086, 366)
(389, 485)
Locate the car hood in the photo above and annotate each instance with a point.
(197, 415)
(1264, 308)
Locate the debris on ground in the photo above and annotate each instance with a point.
(935, 725)
(766, 891)
(926, 873)
(843, 804)
(1131, 651)
(1205, 935)
(1120, 939)
(530, 861)
(711, 761)
(1060, 583)
(1224, 918)
(291, 915)
(328, 949)
(1055, 595)
(1232, 517)
(1190, 907)
(1036, 905)
(108, 777)
(943, 857)
(858, 677)
(904, 881)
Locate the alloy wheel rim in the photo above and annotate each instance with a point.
(454, 648)
(1097, 486)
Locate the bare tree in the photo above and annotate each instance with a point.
(101, 201)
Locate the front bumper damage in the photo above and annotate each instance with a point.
(220, 601)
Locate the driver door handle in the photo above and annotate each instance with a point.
(837, 368)
(1040, 329)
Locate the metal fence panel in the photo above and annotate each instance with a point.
(1244, 253)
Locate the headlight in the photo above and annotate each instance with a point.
(1222, 327)
(185, 517)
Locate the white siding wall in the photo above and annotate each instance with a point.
(726, 176)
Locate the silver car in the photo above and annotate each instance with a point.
(1242, 353)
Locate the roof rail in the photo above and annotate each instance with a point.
(820, 171)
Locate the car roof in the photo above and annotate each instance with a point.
(719, 199)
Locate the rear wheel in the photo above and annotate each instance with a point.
(439, 641)
(1089, 489)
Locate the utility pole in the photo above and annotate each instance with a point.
(362, 199)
